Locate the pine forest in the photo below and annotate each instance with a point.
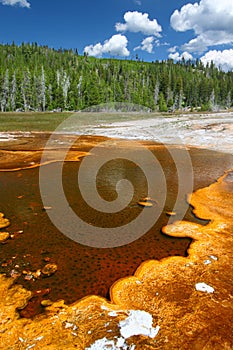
(38, 78)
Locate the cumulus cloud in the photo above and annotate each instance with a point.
(178, 57)
(21, 3)
(116, 45)
(223, 59)
(139, 22)
(172, 49)
(211, 21)
(146, 45)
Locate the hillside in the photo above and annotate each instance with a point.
(39, 78)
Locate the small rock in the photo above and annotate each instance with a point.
(47, 208)
(207, 262)
(15, 273)
(42, 291)
(203, 287)
(39, 338)
(68, 325)
(4, 236)
(28, 277)
(145, 204)
(138, 282)
(171, 213)
(213, 257)
(148, 199)
(46, 302)
(49, 269)
(112, 313)
(47, 259)
(37, 274)
(3, 221)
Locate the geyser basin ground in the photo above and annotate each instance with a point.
(83, 270)
(188, 298)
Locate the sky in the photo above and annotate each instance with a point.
(149, 30)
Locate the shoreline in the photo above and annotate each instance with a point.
(212, 130)
(26, 148)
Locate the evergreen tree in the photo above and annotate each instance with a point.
(13, 92)
(34, 77)
(5, 92)
(162, 103)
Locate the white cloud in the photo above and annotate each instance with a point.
(94, 50)
(178, 57)
(211, 21)
(21, 3)
(139, 22)
(224, 58)
(116, 45)
(146, 45)
(207, 39)
(172, 49)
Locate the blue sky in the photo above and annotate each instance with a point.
(151, 29)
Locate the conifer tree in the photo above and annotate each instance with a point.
(38, 78)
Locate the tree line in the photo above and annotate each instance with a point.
(40, 78)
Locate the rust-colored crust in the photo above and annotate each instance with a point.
(25, 152)
(188, 319)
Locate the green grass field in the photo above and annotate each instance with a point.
(31, 121)
(49, 121)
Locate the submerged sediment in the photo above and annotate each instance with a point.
(189, 298)
(24, 151)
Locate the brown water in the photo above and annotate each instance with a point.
(83, 270)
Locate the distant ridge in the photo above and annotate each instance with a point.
(39, 78)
